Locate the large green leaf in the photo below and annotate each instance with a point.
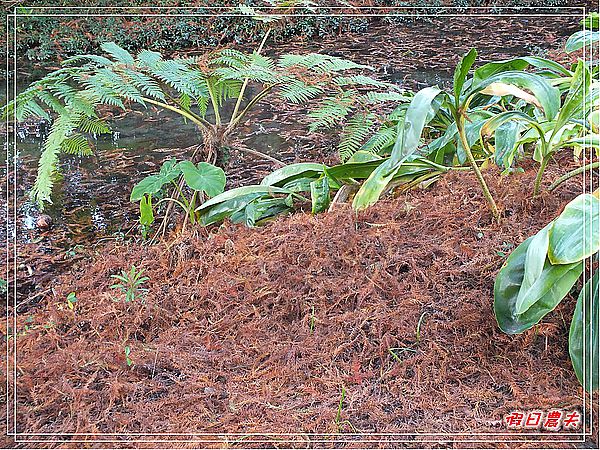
(419, 112)
(534, 266)
(506, 143)
(240, 192)
(204, 177)
(550, 288)
(319, 193)
(587, 141)
(146, 212)
(575, 234)
(547, 95)
(575, 98)
(291, 172)
(581, 39)
(583, 335)
(493, 68)
(154, 183)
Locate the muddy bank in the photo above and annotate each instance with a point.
(267, 330)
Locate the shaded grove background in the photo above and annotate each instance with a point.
(44, 38)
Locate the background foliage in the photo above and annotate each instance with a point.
(45, 38)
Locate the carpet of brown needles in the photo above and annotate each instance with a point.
(249, 331)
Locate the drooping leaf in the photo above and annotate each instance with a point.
(291, 172)
(503, 89)
(506, 143)
(550, 288)
(548, 97)
(146, 212)
(575, 234)
(575, 99)
(419, 112)
(581, 39)
(229, 202)
(583, 335)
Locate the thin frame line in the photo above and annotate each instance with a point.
(243, 15)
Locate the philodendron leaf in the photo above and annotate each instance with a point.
(204, 177)
(575, 234)
(583, 335)
(169, 170)
(319, 192)
(550, 288)
(534, 265)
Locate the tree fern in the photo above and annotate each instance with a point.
(119, 54)
(76, 145)
(380, 140)
(330, 86)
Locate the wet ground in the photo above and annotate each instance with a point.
(91, 201)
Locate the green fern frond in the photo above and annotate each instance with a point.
(297, 91)
(230, 58)
(76, 145)
(52, 102)
(120, 55)
(144, 83)
(148, 59)
(354, 134)
(47, 165)
(319, 63)
(332, 111)
(381, 140)
(257, 68)
(382, 97)
(27, 108)
(92, 125)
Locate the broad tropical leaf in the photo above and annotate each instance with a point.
(583, 335)
(204, 177)
(419, 112)
(550, 288)
(575, 234)
(319, 193)
(584, 38)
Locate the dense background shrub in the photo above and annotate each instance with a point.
(45, 38)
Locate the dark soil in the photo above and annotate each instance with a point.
(266, 330)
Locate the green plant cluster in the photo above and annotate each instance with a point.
(211, 91)
(541, 271)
